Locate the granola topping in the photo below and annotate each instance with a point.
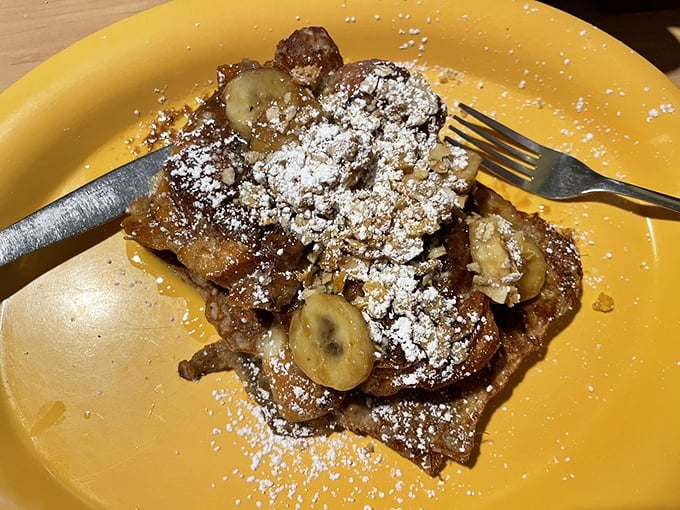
(362, 186)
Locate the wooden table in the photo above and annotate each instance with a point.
(34, 30)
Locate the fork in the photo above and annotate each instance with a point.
(539, 169)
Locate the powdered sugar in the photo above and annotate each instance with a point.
(363, 185)
(303, 472)
(196, 168)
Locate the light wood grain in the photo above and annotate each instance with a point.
(31, 31)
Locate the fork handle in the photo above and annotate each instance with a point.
(640, 193)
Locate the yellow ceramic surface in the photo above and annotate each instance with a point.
(92, 413)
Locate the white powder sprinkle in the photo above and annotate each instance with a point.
(580, 104)
(664, 108)
(282, 468)
(365, 189)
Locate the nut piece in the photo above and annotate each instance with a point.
(603, 303)
(331, 343)
(509, 267)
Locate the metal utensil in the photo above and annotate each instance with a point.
(92, 205)
(542, 170)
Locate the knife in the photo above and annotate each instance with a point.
(89, 206)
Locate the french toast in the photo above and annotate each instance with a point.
(358, 275)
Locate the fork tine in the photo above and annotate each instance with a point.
(507, 175)
(513, 135)
(492, 151)
(479, 131)
(494, 167)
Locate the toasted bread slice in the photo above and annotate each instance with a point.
(427, 427)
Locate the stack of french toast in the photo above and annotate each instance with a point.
(358, 275)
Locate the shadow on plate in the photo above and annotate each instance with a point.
(16, 275)
(653, 212)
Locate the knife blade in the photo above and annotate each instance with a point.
(89, 206)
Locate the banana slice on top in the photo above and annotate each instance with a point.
(330, 342)
(267, 108)
(508, 266)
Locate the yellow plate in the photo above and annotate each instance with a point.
(92, 412)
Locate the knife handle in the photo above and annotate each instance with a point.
(89, 206)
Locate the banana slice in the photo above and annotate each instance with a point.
(267, 108)
(250, 93)
(533, 270)
(509, 267)
(331, 343)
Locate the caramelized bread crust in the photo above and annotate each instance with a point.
(427, 427)
(255, 247)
